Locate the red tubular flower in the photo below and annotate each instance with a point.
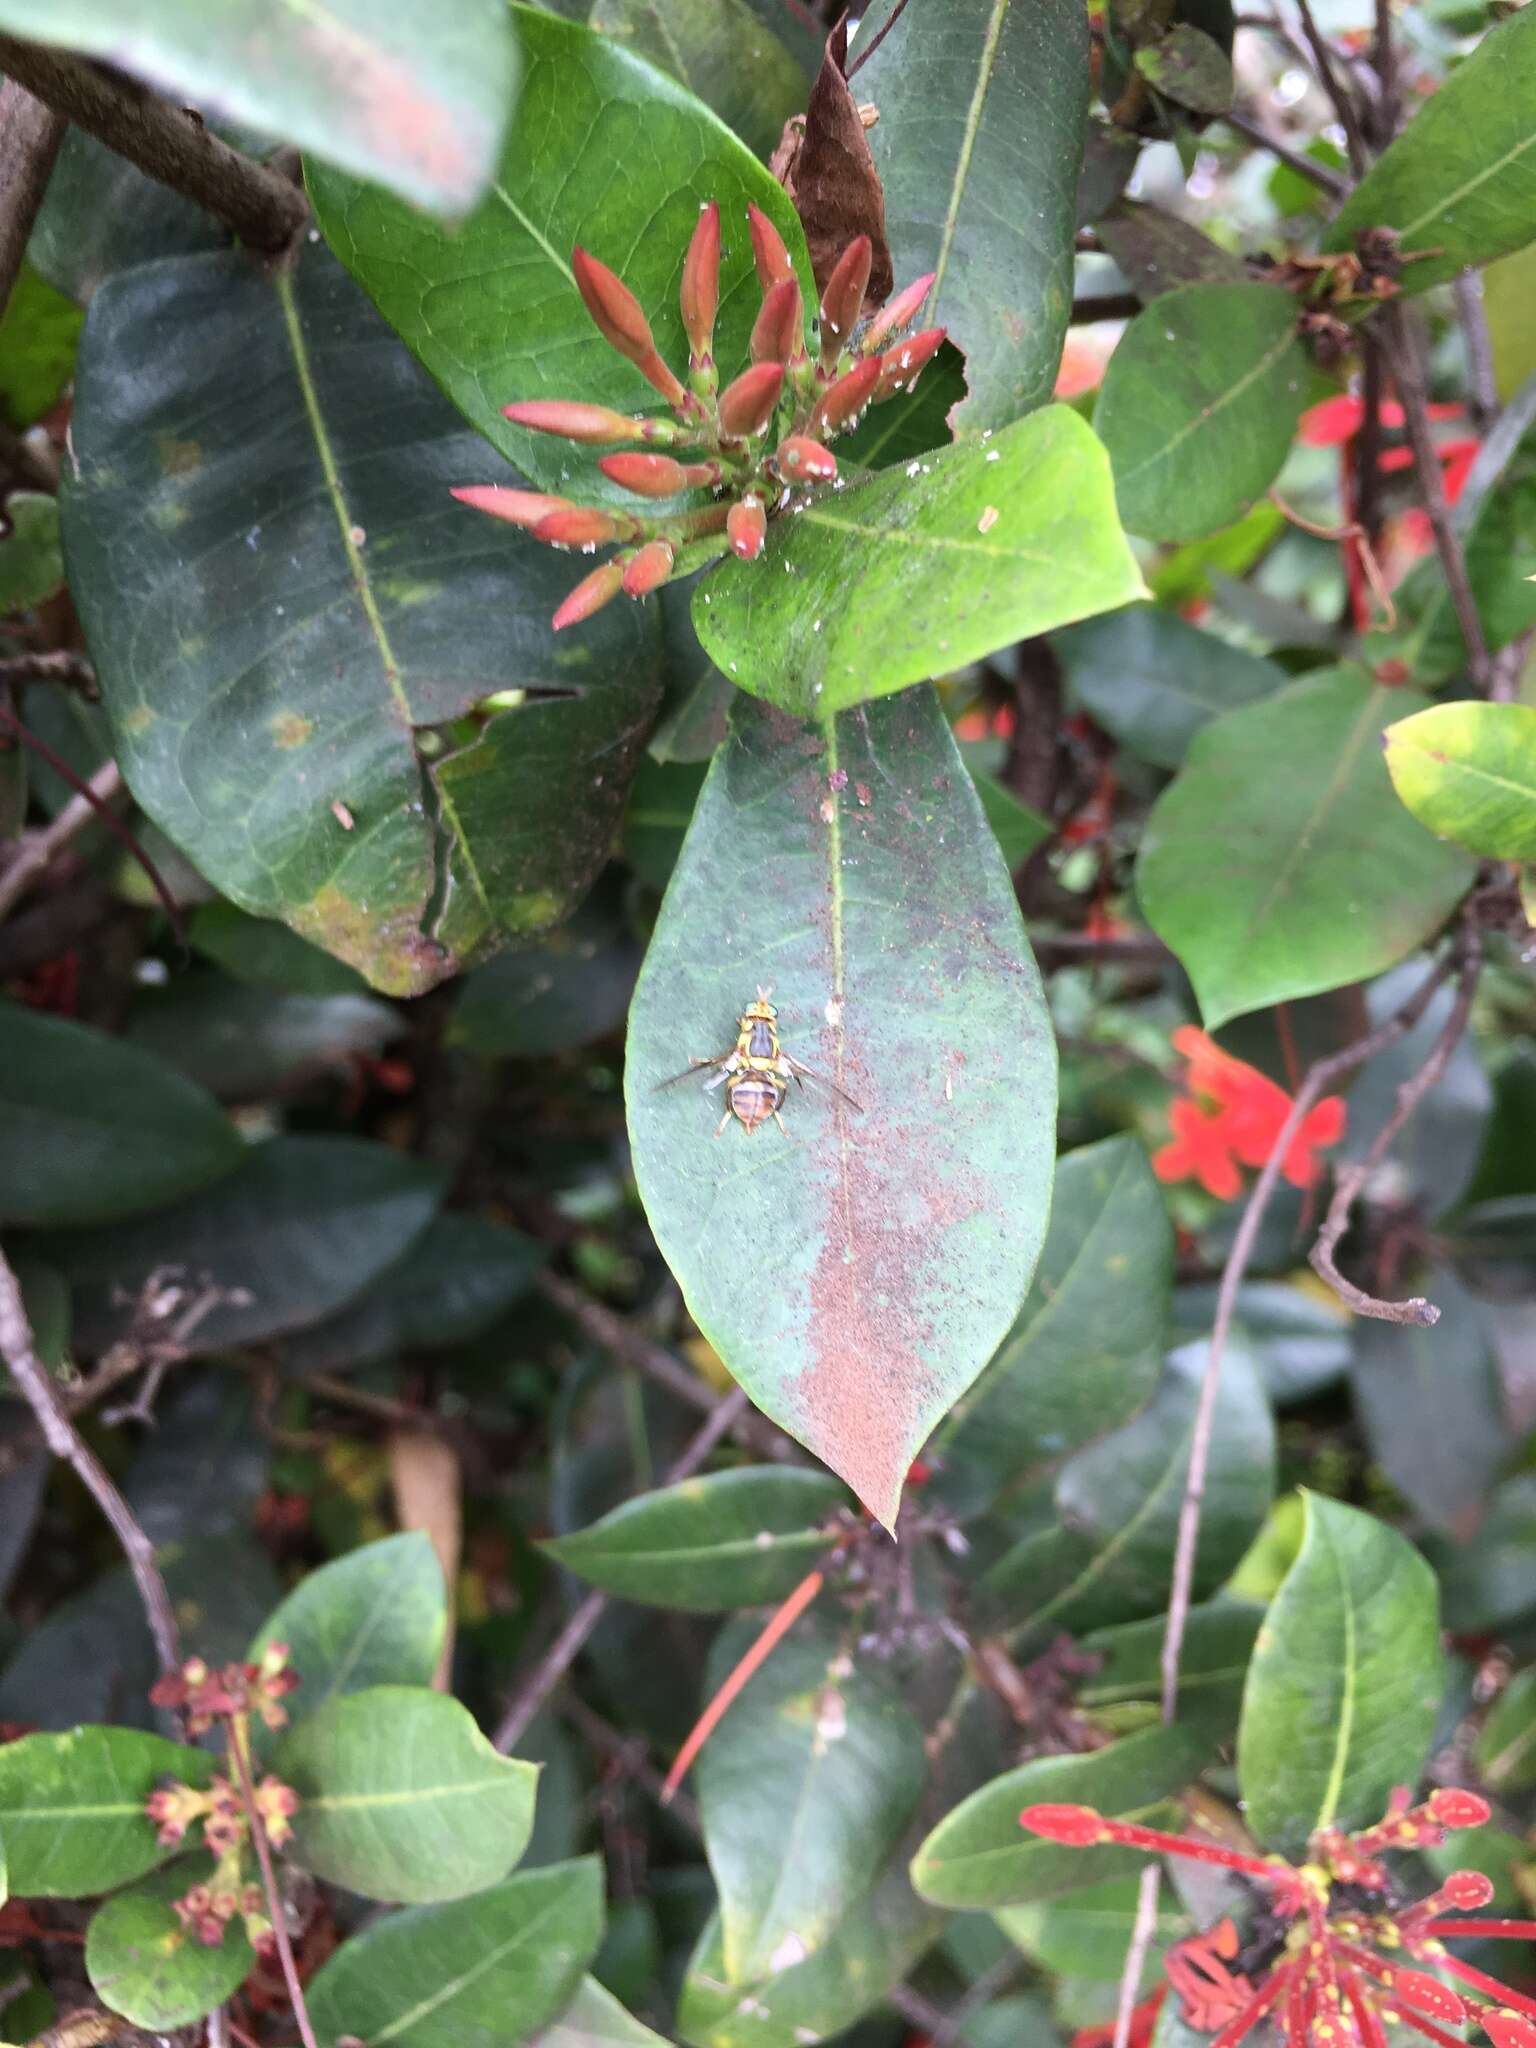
(648, 568)
(579, 526)
(900, 366)
(746, 528)
(1199, 1150)
(778, 333)
(897, 313)
(747, 404)
(518, 508)
(699, 295)
(618, 319)
(842, 402)
(589, 596)
(803, 460)
(843, 299)
(574, 421)
(648, 476)
(768, 250)
(1247, 1114)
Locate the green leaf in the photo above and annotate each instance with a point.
(243, 1043)
(100, 215)
(608, 153)
(1218, 1642)
(903, 1237)
(873, 1947)
(96, 1128)
(31, 566)
(983, 107)
(449, 1287)
(1086, 1934)
(260, 953)
(735, 1539)
(1158, 251)
(1459, 183)
(1017, 828)
(447, 839)
(1086, 1351)
(404, 95)
(485, 1972)
(568, 990)
(922, 569)
(1505, 1753)
(302, 1226)
(374, 1617)
(401, 1796)
(914, 423)
(661, 803)
(1468, 772)
(595, 2019)
(1108, 1556)
(979, 1856)
(143, 1964)
(1345, 1682)
(1274, 885)
(1153, 681)
(1199, 406)
(803, 1790)
(720, 51)
(1301, 1340)
(39, 332)
(72, 1808)
(1189, 67)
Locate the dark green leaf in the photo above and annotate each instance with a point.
(95, 1128)
(1345, 1681)
(1299, 1339)
(301, 1227)
(696, 698)
(72, 1808)
(1491, 1581)
(897, 429)
(983, 105)
(101, 215)
(1117, 1509)
(450, 1286)
(260, 953)
(1109, 158)
(39, 331)
(1187, 66)
(21, 1496)
(1086, 1934)
(661, 802)
(142, 1963)
(404, 95)
(1218, 1641)
(1086, 1351)
(401, 1797)
(486, 1972)
(1159, 251)
(1459, 183)
(904, 1237)
(607, 153)
(979, 1856)
(1468, 772)
(595, 2019)
(1505, 1754)
(374, 1617)
(922, 569)
(198, 1474)
(803, 1790)
(571, 988)
(736, 1539)
(31, 566)
(355, 806)
(1152, 680)
(1019, 830)
(1273, 885)
(719, 50)
(1199, 406)
(241, 1043)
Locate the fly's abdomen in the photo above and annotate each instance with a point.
(754, 1098)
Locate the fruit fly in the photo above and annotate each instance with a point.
(756, 1071)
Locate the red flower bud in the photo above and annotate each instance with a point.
(576, 422)
(778, 334)
(1427, 1994)
(617, 317)
(518, 508)
(578, 526)
(590, 595)
(1507, 2029)
(700, 293)
(648, 568)
(1455, 1808)
(893, 316)
(801, 459)
(746, 528)
(768, 250)
(746, 406)
(648, 476)
(899, 366)
(1466, 1890)
(843, 299)
(1075, 1827)
(849, 395)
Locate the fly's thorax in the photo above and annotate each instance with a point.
(761, 1041)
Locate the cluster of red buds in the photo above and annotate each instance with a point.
(174, 1807)
(207, 1909)
(205, 1695)
(1332, 1953)
(750, 444)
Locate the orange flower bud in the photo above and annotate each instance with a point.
(700, 293)
(746, 406)
(895, 314)
(843, 299)
(617, 317)
(577, 526)
(801, 459)
(778, 334)
(840, 402)
(576, 422)
(899, 366)
(648, 476)
(768, 250)
(518, 508)
(648, 568)
(746, 528)
(589, 596)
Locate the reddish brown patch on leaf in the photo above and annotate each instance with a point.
(824, 163)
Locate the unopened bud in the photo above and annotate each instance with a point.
(843, 299)
(899, 366)
(1075, 1827)
(746, 528)
(648, 476)
(768, 250)
(801, 459)
(1454, 1807)
(574, 421)
(1467, 1890)
(700, 292)
(589, 596)
(578, 526)
(1416, 1988)
(648, 568)
(848, 396)
(747, 405)
(1507, 2029)
(778, 333)
(897, 312)
(617, 317)
(518, 508)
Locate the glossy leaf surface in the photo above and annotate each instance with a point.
(904, 1233)
(595, 2019)
(374, 1617)
(72, 1808)
(722, 52)
(1468, 772)
(141, 1963)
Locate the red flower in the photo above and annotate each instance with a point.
(1231, 1117)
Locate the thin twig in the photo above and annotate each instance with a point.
(1495, 455)
(1473, 322)
(564, 1650)
(1143, 1927)
(861, 57)
(1105, 306)
(35, 850)
(264, 209)
(53, 665)
(1324, 176)
(989, 1985)
(30, 135)
(1416, 1311)
(1384, 56)
(1339, 99)
(1408, 375)
(629, 1751)
(275, 1906)
(18, 1349)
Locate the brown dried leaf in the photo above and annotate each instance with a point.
(823, 163)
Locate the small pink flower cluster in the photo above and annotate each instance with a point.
(753, 442)
(204, 1694)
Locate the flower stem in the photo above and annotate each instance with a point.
(275, 1906)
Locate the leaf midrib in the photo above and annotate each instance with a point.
(1344, 1722)
(1217, 405)
(519, 1939)
(968, 134)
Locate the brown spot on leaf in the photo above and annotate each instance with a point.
(823, 161)
(178, 458)
(290, 729)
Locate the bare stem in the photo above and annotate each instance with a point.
(264, 210)
(30, 135)
(1339, 99)
(53, 665)
(35, 851)
(275, 1904)
(19, 1350)
(1324, 176)
(1473, 323)
(1142, 1930)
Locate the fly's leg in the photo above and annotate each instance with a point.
(720, 1127)
(780, 1122)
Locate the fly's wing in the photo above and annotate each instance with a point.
(803, 1072)
(694, 1067)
